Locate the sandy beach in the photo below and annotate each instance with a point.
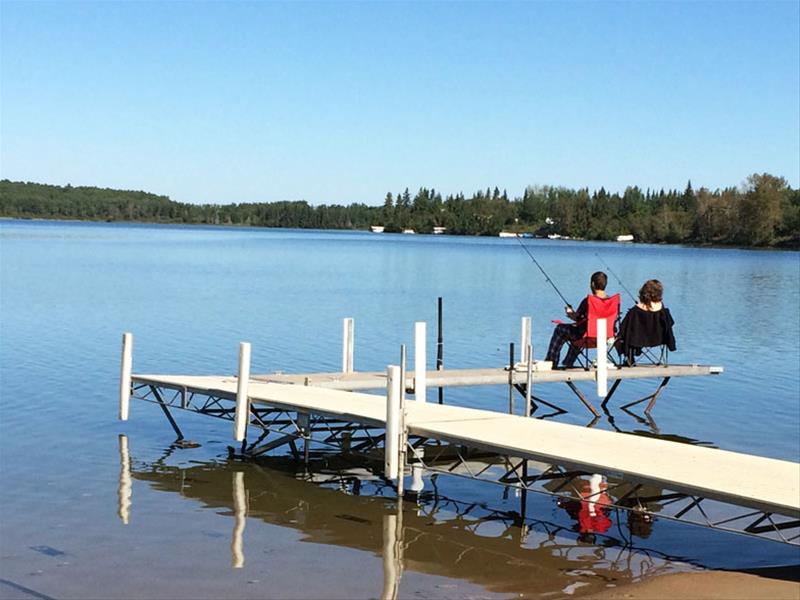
(776, 584)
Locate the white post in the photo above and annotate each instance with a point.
(525, 339)
(347, 345)
(125, 376)
(602, 359)
(420, 362)
(242, 402)
(392, 443)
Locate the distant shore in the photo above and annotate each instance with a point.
(329, 229)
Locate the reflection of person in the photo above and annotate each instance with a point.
(640, 523)
(592, 510)
(649, 323)
(568, 332)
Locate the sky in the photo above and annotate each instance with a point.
(340, 102)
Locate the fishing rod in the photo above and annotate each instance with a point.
(616, 277)
(547, 278)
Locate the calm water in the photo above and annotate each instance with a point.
(190, 295)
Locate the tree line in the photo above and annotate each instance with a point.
(764, 211)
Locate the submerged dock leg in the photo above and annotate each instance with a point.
(242, 401)
(125, 376)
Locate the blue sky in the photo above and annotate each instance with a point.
(341, 102)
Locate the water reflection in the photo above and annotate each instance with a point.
(124, 491)
(240, 518)
(436, 535)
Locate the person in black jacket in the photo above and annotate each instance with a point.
(647, 324)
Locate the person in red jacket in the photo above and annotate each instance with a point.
(569, 332)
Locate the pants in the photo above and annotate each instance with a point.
(561, 334)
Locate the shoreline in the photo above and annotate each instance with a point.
(776, 583)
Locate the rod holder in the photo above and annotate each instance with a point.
(125, 376)
(242, 400)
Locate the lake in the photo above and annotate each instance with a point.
(191, 294)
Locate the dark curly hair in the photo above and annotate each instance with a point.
(652, 291)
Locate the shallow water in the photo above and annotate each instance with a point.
(190, 294)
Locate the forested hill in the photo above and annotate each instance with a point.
(763, 212)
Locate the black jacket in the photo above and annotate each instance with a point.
(644, 329)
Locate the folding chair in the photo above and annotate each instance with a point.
(599, 308)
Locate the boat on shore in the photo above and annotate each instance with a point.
(409, 231)
(377, 228)
(625, 238)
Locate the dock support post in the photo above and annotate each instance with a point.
(125, 376)
(242, 401)
(347, 345)
(390, 448)
(602, 358)
(439, 347)
(401, 442)
(420, 362)
(525, 340)
(529, 383)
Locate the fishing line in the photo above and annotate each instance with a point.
(619, 281)
(536, 262)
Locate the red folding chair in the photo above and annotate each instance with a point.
(599, 308)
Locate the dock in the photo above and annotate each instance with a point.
(769, 485)
(760, 496)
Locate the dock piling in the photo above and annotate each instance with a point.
(420, 360)
(242, 400)
(347, 345)
(125, 376)
(529, 381)
(602, 358)
(391, 446)
(525, 339)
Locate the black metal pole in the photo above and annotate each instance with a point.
(439, 348)
(511, 378)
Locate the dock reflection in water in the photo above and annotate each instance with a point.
(437, 535)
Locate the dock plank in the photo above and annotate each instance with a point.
(370, 380)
